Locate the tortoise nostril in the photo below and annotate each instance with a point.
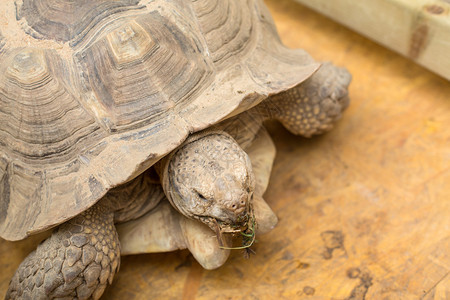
(238, 206)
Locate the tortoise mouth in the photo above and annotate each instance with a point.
(216, 224)
(245, 226)
(233, 223)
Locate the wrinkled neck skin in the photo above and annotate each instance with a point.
(144, 191)
(209, 178)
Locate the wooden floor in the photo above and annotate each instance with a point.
(364, 210)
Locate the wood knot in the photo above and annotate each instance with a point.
(434, 9)
(353, 272)
(309, 290)
(418, 41)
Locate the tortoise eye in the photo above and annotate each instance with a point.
(201, 197)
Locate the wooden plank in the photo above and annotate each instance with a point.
(363, 211)
(418, 29)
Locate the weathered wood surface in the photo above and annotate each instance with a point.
(418, 29)
(364, 210)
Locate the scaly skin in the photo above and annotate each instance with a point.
(76, 262)
(210, 179)
(312, 107)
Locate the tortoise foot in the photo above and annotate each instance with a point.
(77, 261)
(314, 106)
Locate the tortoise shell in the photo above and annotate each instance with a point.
(92, 93)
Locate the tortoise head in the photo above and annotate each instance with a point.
(210, 178)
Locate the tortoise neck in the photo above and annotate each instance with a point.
(266, 110)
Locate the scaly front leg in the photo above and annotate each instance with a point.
(78, 260)
(312, 107)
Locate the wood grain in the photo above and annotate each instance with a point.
(364, 211)
(418, 29)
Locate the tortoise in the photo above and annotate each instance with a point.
(163, 229)
(93, 95)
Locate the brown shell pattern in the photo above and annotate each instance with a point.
(94, 92)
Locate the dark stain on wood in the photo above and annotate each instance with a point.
(421, 32)
(360, 291)
(303, 265)
(434, 9)
(309, 290)
(332, 240)
(353, 273)
(418, 40)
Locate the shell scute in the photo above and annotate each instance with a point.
(40, 116)
(64, 20)
(18, 185)
(228, 28)
(141, 70)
